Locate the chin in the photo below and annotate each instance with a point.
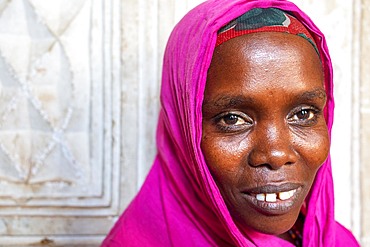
(274, 231)
(269, 224)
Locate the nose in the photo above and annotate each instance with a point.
(272, 147)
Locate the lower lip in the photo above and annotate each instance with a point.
(274, 208)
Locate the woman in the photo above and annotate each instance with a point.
(243, 135)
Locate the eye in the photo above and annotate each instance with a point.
(304, 116)
(232, 119)
(233, 122)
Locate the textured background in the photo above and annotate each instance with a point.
(79, 85)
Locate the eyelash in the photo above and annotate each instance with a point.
(220, 121)
(309, 121)
(293, 118)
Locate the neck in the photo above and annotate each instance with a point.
(294, 235)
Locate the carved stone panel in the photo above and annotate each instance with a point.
(59, 119)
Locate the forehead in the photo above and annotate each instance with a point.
(265, 60)
(263, 46)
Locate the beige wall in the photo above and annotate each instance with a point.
(364, 94)
(80, 78)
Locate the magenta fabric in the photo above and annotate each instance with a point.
(179, 203)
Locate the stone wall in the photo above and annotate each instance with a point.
(364, 136)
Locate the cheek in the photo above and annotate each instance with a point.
(224, 158)
(315, 148)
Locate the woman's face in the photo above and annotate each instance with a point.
(264, 132)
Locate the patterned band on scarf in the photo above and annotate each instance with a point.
(264, 20)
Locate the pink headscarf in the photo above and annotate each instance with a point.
(179, 203)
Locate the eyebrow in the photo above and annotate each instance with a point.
(317, 93)
(229, 101)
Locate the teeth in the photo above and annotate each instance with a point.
(272, 197)
(260, 197)
(286, 194)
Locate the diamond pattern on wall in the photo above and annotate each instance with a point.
(52, 124)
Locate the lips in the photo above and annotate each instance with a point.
(274, 199)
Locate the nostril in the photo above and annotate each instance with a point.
(274, 159)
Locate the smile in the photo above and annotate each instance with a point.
(274, 200)
(273, 197)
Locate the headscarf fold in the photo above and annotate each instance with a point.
(180, 203)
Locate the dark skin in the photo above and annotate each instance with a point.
(264, 132)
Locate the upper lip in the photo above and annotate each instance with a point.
(272, 188)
